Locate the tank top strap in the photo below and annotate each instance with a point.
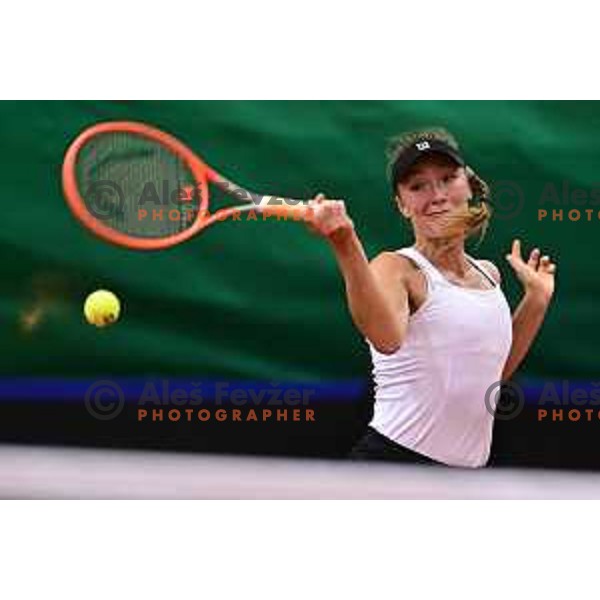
(430, 272)
(482, 270)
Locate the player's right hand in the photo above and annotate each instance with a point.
(329, 219)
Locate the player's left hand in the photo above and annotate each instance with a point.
(536, 275)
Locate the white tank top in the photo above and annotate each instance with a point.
(430, 394)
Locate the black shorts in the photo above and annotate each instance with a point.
(375, 446)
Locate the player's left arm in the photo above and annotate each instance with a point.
(537, 277)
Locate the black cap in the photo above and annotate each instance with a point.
(408, 157)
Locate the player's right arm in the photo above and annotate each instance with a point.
(376, 292)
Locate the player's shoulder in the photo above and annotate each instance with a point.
(489, 267)
(390, 258)
(393, 263)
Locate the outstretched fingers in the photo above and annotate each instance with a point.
(546, 265)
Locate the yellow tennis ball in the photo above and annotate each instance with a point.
(101, 308)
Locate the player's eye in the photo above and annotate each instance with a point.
(450, 177)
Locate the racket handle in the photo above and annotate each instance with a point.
(297, 212)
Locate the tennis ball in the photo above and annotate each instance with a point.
(101, 308)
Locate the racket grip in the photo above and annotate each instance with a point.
(296, 212)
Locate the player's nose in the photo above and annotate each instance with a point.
(440, 194)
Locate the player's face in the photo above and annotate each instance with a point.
(434, 190)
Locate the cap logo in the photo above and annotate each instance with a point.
(423, 146)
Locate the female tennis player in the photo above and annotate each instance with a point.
(437, 324)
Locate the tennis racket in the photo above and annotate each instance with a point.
(138, 187)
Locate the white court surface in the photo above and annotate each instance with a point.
(49, 472)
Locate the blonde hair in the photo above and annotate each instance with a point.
(476, 218)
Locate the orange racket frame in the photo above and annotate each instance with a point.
(201, 172)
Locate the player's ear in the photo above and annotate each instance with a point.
(479, 188)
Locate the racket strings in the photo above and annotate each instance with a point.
(134, 185)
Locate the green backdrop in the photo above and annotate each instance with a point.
(265, 300)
